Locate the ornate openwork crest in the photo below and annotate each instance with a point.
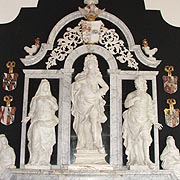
(108, 38)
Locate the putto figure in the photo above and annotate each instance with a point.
(137, 125)
(33, 49)
(88, 105)
(7, 154)
(170, 156)
(148, 51)
(41, 133)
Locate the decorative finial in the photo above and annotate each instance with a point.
(145, 43)
(8, 100)
(169, 70)
(10, 65)
(88, 2)
(37, 41)
(90, 12)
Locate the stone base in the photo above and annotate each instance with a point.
(138, 167)
(143, 167)
(36, 174)
(85, 157)
(28, 166)
(89, 167)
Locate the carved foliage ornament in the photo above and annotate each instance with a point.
(107, 38)
(111, 41)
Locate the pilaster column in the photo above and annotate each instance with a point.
(65, 120)
(115, 121)
(23, 128)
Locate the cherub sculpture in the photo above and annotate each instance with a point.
(7, 154)
(148, 51)
(33, 49)
(170, 156)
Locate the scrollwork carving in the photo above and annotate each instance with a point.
(111, 41)
(65, 45)
(107, 38)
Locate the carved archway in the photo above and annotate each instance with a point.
(28, 61)
(95, 49)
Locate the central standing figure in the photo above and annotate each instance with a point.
(88, 105)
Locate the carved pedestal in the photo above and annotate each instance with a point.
(90, 159)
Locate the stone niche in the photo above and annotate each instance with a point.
(64, 167)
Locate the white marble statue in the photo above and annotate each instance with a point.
(149, 51)
(88, 105)
(41, 133)
(33, 49)
(170, 156)
(7, 154)
(137, 125)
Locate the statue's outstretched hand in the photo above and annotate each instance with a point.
(26, 119)
(158, 125)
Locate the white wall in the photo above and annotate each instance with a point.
(9, 9)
